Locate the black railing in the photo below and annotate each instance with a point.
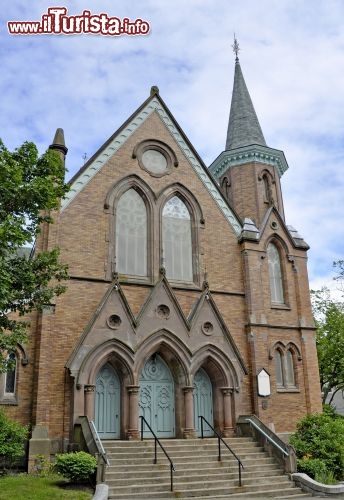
(156, 441)
(250, 425)
(219, 441)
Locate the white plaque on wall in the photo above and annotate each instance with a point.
(263, 379)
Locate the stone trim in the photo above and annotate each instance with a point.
(249, 154)
(99, 161)
(316, 489)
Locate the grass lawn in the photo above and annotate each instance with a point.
(29, 487)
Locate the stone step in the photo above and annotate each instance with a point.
(190, 474)
(199, 474)
(204, 462)
(203, 483)
(228, 461)
(184, 442)
(185, 451)
(187, 445)
(211, 475)
(293, 493)
(229, 493)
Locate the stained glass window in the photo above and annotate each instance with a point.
(289, 369)
(177, 240)
(279, 370)
(131, 234)
(285, 371)
(275, 273)
(10, 382)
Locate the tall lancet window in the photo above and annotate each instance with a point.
(177, 240)
(131, 234)
(275, 274)
(10, 377)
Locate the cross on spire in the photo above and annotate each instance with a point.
(236, 48)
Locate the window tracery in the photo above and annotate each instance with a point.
(177, 240)
(131, 234)
(275, 274)
(285, 368)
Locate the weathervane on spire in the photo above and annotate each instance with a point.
(236, 48)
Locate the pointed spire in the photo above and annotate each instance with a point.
(243, 125)
(59, 142)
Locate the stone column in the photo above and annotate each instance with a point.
(189, 430)
(89, 391)
(227, 394)
(133, 430)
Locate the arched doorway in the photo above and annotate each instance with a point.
(203, 402)
(156, 402)
(107, 403)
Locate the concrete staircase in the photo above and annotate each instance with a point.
(198, 473)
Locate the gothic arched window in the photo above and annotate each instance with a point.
(289, 369)
(285, 369)
(131, 234)
(279, 367)
(10, 376)
(177, 240)
(275, 274)
(8, 381)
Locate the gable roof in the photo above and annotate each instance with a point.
(153, 104)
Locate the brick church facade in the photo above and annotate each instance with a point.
(188, 293)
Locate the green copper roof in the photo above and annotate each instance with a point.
(243, 125)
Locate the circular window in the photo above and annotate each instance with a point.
(163, 311)
(155, 157)
(154, 161)
(207, 328)
(114, 321)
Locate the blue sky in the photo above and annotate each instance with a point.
(292, 57)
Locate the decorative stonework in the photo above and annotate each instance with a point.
(163, 311)
(155, 157)
(249, 154)
(208, 328)
(114, 321)
(89, 388)
(153, 105)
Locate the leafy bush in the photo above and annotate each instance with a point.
(77, 466)
(12, 440)
(42, 466)
(314, 467)
(320, 438)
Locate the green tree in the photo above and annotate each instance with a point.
(319, 444)
(12, 440)
(329, 319)
(31, 187)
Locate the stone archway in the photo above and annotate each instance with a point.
(107, 408)
(203, 403)
(157, 398)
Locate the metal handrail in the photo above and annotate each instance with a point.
(156, 440)
(269, 438)
(219, 441)
(98, 442)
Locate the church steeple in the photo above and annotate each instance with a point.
(243, 126)
(248, 171)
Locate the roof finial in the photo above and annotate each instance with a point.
(236, 48)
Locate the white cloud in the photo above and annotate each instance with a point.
(292, 60)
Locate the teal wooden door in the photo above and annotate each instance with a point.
(156, 402)
(107, 403)
(203, 402)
